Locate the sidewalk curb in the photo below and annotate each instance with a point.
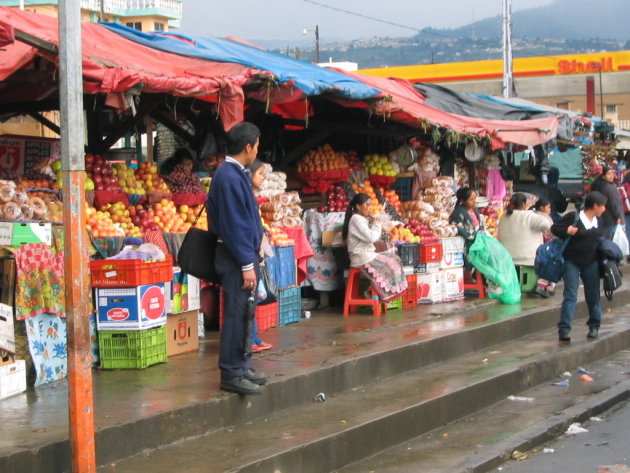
(548, 430)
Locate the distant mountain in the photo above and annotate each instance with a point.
(563, 19)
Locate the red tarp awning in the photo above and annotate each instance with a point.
(402, 103)
(113, 64)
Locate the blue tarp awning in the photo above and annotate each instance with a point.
(312, 80)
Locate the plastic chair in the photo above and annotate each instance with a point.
(478, 285)
(353, 297)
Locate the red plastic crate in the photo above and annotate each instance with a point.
(130, 272)
(430, 252)
(266, 315)
(410, 298)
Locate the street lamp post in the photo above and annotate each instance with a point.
(316, 31)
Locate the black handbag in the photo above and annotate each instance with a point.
(270, 286)
(196, 253)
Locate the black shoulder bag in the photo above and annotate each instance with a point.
(196, 254)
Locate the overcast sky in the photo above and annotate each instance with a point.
(286, 19)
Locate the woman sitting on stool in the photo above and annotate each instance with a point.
(361, 231)
(520, 231)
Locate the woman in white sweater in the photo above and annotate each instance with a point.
(361, 231)
(521, 231)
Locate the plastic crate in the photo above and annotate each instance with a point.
(266, 315)
(403, 187)
(410, 297)
(282, 266)
(430, 252)
(408, 253)
(132, 349)
(395, 304)
(130, 272)
(289, 305)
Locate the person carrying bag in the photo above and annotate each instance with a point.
(581, 262)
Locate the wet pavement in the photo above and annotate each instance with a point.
(183, 394)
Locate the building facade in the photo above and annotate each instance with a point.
(144, 15)
(598, 83)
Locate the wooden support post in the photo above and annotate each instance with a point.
(76, 261)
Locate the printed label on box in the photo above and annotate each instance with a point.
(131, 308)
(430, 288)
(6, 233)
(452, 260)
(426, 268)
(7, 335)
(453, 281)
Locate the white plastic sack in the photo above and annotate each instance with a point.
(621, 240)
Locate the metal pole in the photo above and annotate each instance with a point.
(508, 77)
(317, 41)
(601, 92)
(76, 262)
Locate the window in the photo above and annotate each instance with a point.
(157, 26)
(562, 105)
(136, 25)
(611, 108)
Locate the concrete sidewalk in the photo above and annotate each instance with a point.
(144, 409)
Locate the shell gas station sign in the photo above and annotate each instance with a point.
(542, 66)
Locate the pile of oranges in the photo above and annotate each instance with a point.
(322, 159)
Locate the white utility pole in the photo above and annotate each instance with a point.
(508, 75)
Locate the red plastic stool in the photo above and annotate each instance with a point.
(478, 285)
(353, 297)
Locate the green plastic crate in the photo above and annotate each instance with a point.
(395, 304)
(132, 349)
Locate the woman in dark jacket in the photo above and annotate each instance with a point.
(613, 215)
(580, 261)
(466, 218)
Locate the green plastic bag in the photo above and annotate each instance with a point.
(492, 260)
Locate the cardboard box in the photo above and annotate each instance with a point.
(184, 294)
(182, 334)
(430, 288)
(131, 308)
(7, 282)
(12, 379)
(15, 233)
(452, 260)
(453, 244)
(332, 238)
(453, 281)
(426, 268)
(7, 335)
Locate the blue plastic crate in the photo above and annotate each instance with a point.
(282, 266)
(403, 187)
(289, 305)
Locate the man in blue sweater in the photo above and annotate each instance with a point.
(233, 215)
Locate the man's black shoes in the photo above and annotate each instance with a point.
(240, 385)
(255, 377)
(593, 333)
(563, 336)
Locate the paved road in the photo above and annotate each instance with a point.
(606, 444)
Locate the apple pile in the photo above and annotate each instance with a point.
(280, 238)
(100, 171)
(101, 224)
(336, 199)
(324, 158)
(366, 188)
(378, 165)
(127, 179)
(421, 230)
(353, 160)
(181, 181)
(400, 234)
(121, 216)
(147, 175)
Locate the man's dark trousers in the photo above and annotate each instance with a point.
(232, 358)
